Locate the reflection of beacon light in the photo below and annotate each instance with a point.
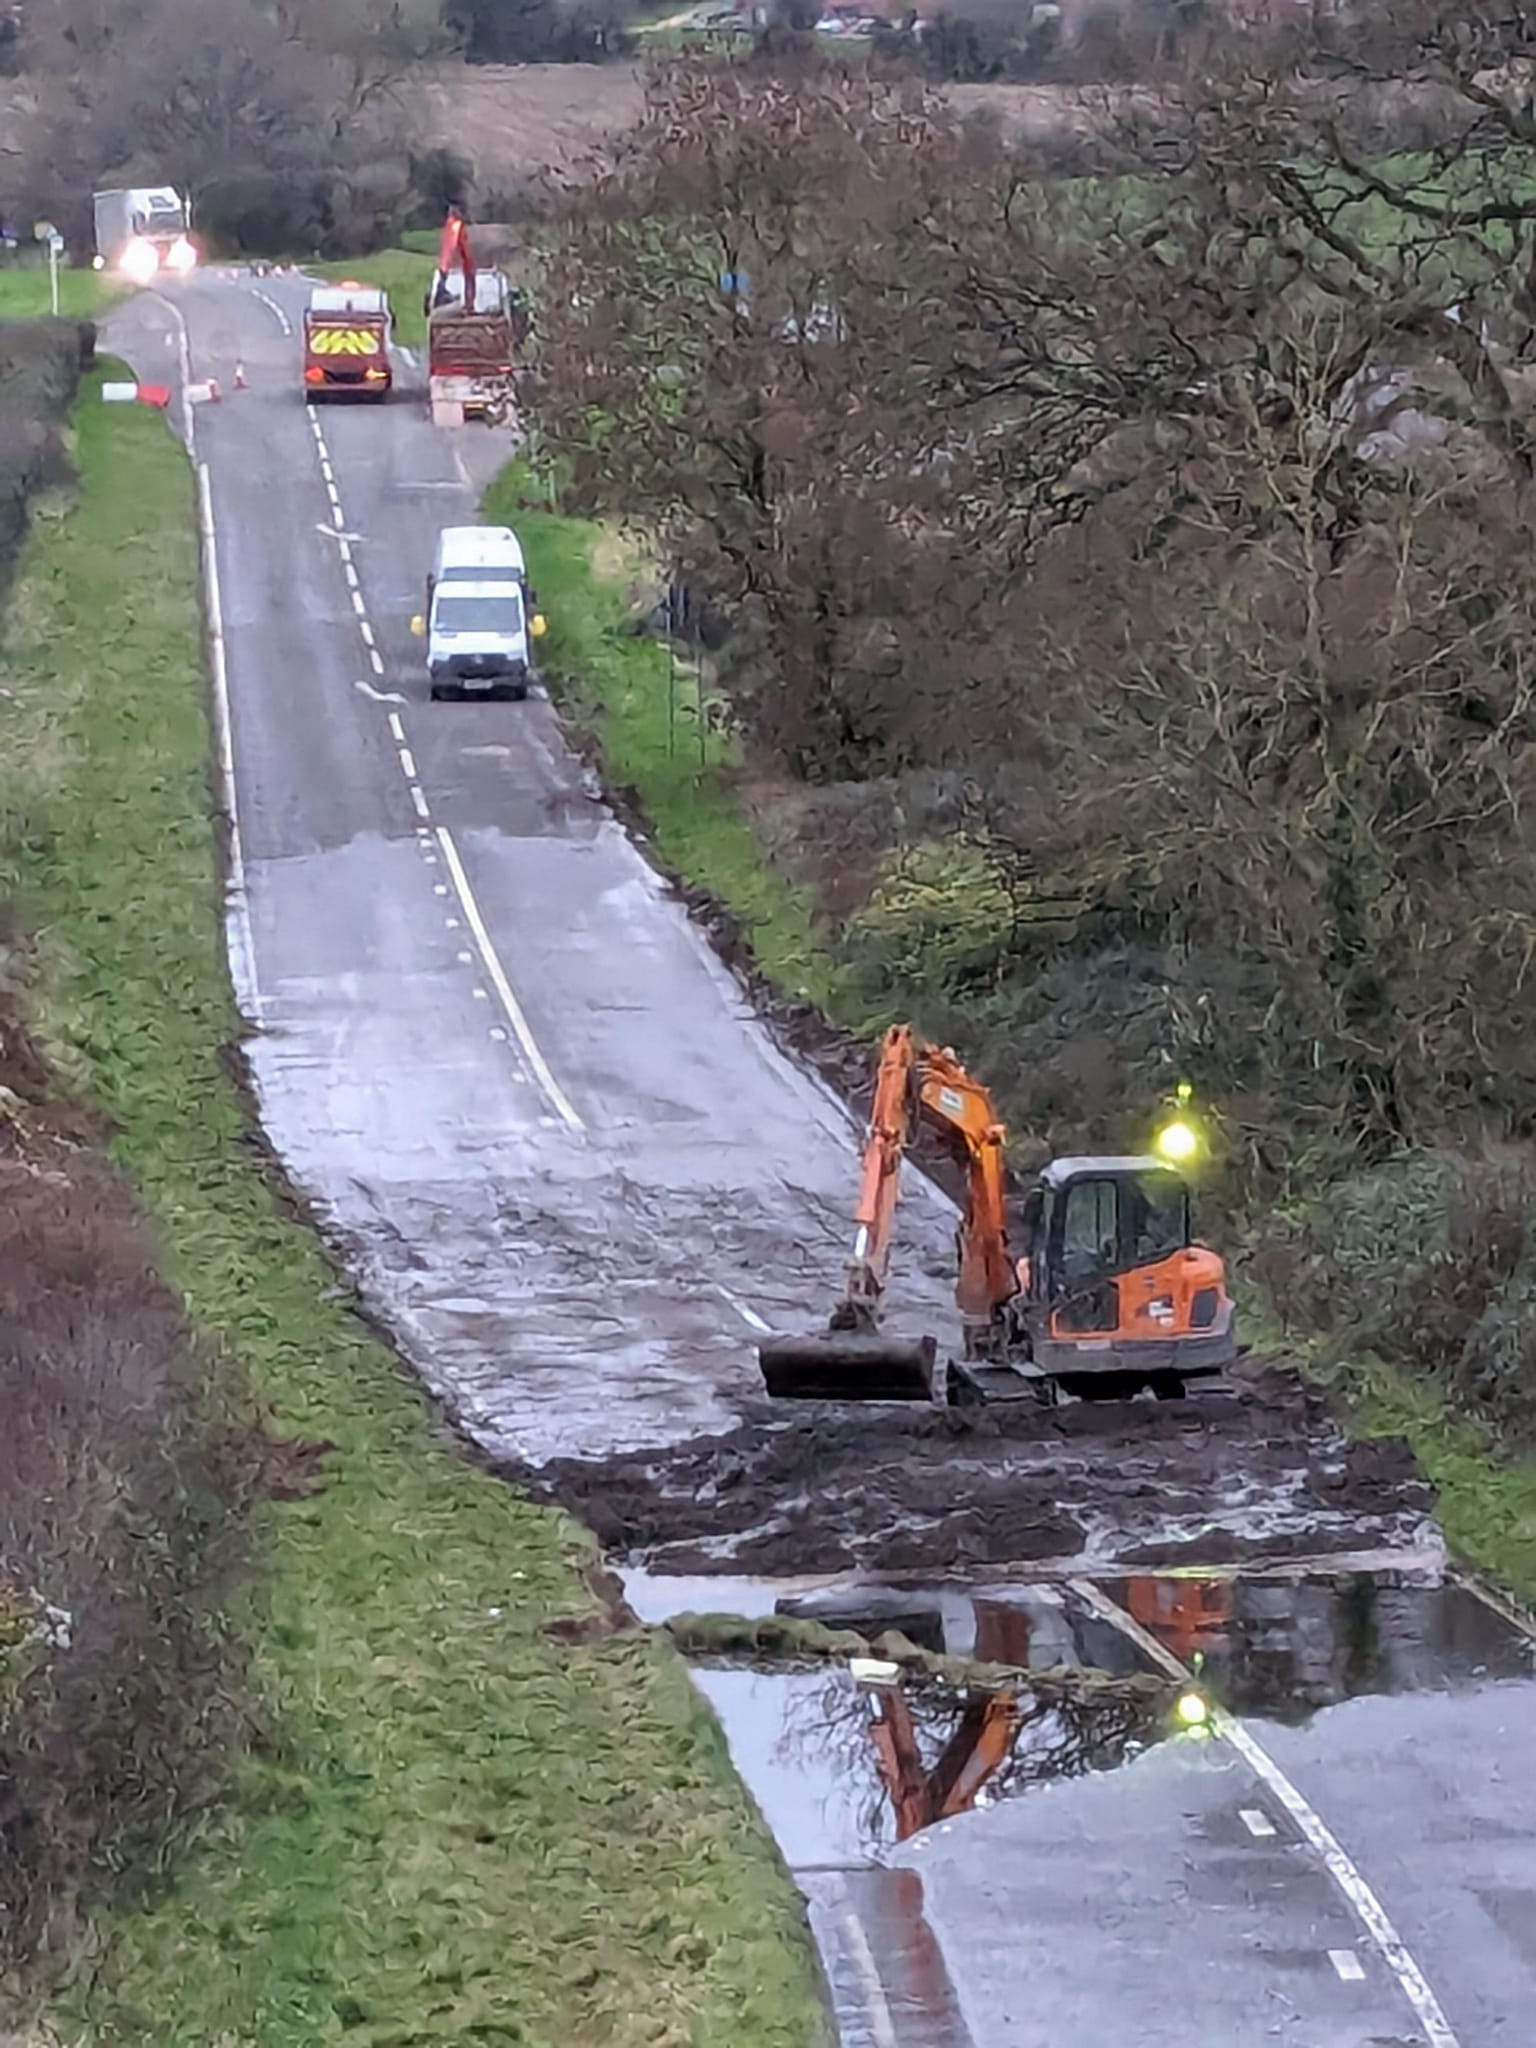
(182, 257)
(1192, 1710)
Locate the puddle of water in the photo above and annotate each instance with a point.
(844, 1771)
(1280, 1650)
(1277, 1646)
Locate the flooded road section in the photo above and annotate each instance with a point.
(985, 1869)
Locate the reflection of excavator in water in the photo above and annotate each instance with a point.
(978, 1747)
(1112, 1293)
(1188, 1615)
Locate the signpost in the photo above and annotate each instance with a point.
(44, 231)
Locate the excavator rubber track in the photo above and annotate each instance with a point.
(848, 1365)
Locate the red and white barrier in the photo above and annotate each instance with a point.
(137, 394)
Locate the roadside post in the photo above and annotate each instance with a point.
(45, 232)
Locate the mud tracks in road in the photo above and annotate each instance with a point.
(909, 1489)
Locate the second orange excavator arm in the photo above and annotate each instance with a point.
(959, 1108)
(453, 253)
(890, 1129)
(930, 1079)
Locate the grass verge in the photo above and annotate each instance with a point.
(1487, 1494)
(83, 294)
(403, 273)
(465, 1829)
(651, 716)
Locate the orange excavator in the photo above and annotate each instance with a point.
(1111, 1294)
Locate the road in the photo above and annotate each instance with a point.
(573, 1173)
(568, 1165)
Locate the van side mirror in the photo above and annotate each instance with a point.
(418, 625)
(538, 625)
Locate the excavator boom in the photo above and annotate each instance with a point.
(853, 1359)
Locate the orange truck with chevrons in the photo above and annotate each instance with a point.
(346, 342)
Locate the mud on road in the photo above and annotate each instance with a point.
(812, 1488)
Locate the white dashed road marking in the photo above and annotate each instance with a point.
(1367, 1908)
(1257, 1823)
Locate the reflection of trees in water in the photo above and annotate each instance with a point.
(828, 1720)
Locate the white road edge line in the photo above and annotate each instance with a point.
(184, 363)
(242, 944)
(558, 1098)
(877, 2006)
(418, 798)
(1367, 1908)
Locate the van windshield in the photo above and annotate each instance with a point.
(480, 572)
(501, 614)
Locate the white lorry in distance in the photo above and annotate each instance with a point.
(142, 231)
(478, 624)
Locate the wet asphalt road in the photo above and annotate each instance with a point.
(571, 1171)
(578, 1219)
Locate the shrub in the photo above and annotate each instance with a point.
(1430, 1261)
(40, 362)
(121, 1532)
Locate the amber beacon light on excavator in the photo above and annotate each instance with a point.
(1107, 1295)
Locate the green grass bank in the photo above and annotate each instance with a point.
(25, 293)
(644, 711)
(462, 1829)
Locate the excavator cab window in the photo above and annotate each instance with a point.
(1155, 1221)
(1089, 1231)
(1112, 1223)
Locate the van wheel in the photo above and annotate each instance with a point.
(437, 693)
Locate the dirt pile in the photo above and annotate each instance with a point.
(823, 1489)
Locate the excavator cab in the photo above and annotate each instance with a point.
(1115, 1293)
(1105, 1291)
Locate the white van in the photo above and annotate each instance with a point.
(479, 620)
(477, 554)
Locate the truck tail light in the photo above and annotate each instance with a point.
(313, 374)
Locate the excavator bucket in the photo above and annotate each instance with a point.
(848, 1365)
